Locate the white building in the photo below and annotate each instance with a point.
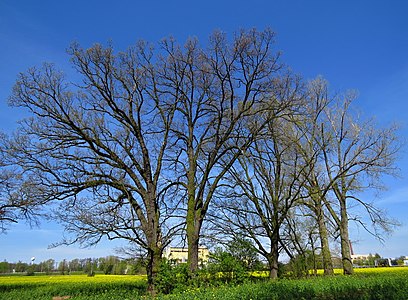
(360, 256)
(180, 255)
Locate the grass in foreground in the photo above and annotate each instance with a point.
(366, 284)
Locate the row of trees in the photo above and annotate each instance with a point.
(297, 181)
(156, 145)
(107, 265)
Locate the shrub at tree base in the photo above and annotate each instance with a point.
(222, 269)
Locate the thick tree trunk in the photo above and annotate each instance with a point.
(325, 250)
(273, 267)
(193, 212)
(193, 242)
(324, 241)
(193, 239)
(155, 245)
(273, 258)
(345, 241)
(152, 268)
(323, 234)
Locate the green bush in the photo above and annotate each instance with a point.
(299, 266)
(223, 267)
(172, 278)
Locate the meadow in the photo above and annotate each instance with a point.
(366, 284)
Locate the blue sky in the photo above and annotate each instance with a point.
(354, 44)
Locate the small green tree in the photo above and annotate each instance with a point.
(172, 278)
(400, 260)
(300, 265)
(227, 268)
(63, 267)
(244, 251)
(21, 266)
(120, 267)
(48, 265)
(4, 267)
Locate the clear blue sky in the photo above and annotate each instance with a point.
(354, 44)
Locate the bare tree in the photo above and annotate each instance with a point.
(263, 187)
(99, 145)
(347, 155)
(316, 183)
(220, 89)
(327, 153)
(356, 154)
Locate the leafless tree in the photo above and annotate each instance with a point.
(99, 145)
(356, 154)
(222, 88)
(263, 186)
(316, 184)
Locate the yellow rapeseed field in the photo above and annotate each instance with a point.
(43, 287)
(46, 279)
(368, 270)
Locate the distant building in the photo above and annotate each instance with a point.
(406, 262)
(364, 260)
(361, 256)
(180, 255)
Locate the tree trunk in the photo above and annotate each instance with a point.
(193, 238)
(155, 246)
(193, 212)
(345, 241)
(324, 241)
(273, 267)
(274, 256)
(152, 268)
(323, 234)
(312, 244)
(192, 242)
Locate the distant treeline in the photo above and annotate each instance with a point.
(106, 265)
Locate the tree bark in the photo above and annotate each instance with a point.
(274, 257)
(154, 242)
(345, 241)
(152, 268)
(193, 229)
(192, 219)
(193, 242)
(324, 241)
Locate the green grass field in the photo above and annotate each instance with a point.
(366, 284)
